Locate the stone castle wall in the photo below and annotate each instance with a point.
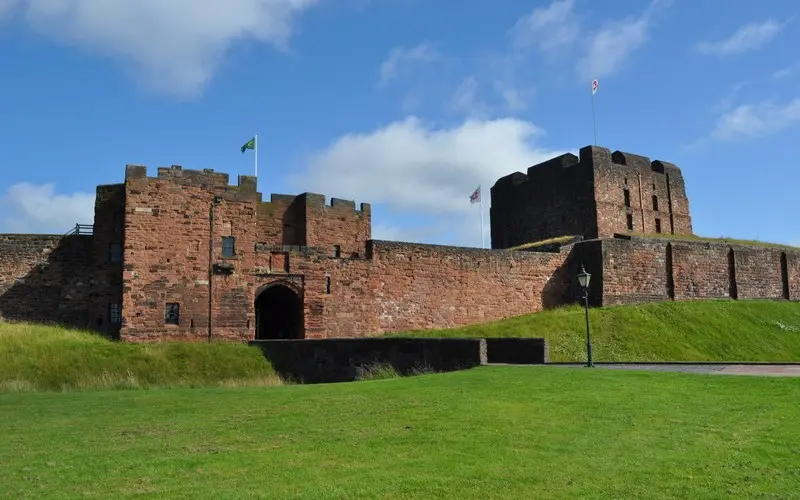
(639, 270)
(53, 279)
(160, 243)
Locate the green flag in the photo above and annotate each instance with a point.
(251, 144)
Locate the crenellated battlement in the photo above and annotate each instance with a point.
(626, 159)
(206, 178)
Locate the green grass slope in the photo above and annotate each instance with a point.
(486, 433)
(45, 358)
(717, 330)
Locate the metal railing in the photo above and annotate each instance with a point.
(81, 230)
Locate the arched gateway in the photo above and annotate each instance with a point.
(279, 312)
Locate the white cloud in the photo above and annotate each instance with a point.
(749, 37)
(172, 46)
(609, 48)
(402, 56)
(410, 166)
(6, 6)
(465, 99)
(726, 101)
(754, 120)
(786, 72)
(515, 99)
(28, 208)
(547, 28)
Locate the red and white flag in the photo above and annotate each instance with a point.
(475, 196)
(595, 85)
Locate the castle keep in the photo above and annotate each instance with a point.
(595, 196)
(185, 255)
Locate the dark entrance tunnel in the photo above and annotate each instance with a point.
(279, 313)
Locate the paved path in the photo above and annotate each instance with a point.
(774, 370)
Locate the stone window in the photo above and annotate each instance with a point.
(630, 222)
(115, 252)
(114, 314)
(337, 251)
(655, 203)
(228, 246)
(627, 193)
(327, 284)
(173, 315)
(658, 225)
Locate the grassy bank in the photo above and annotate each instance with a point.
(707, 239)
(721, 330)
(491, 432)
(44, 358)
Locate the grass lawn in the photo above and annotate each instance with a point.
(713, 330)
(47, 358)
(490, 432)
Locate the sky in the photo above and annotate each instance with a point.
(408, 105)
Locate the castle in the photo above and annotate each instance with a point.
(185, 255)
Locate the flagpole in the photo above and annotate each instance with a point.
(255, 156)
(594, 118)
(483, 245)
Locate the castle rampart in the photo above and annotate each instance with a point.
(639, 269)
(185, 255)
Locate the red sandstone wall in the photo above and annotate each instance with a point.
(793, 267)
(634, 271)
(638, 270)
(428, 286)
(700, 270)
(349, 309)
(644, 179)
(167, 231)
(281, 221)
(338, 224)
(758, 273)
(46, 278)
(20, 254)
(108, 230)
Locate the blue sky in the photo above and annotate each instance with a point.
(405, 104)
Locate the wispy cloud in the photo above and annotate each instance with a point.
(33, 208)
(747, 38)
(609, 48)
(465, 99)
(786, 72)
(726, 102)
(755, 120)
(547, 28)
(173, 46)
(402, 56)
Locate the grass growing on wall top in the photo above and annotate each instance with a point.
(486, 433)
(542, 243)
(709, 330)
(48, 358)
(693, 237)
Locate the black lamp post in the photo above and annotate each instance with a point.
(583, 280)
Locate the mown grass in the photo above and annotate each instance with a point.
(486, 433)
(48, 358)
(715, 330)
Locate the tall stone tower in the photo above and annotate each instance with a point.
(595, 195)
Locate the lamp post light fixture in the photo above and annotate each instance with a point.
(583, 280)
